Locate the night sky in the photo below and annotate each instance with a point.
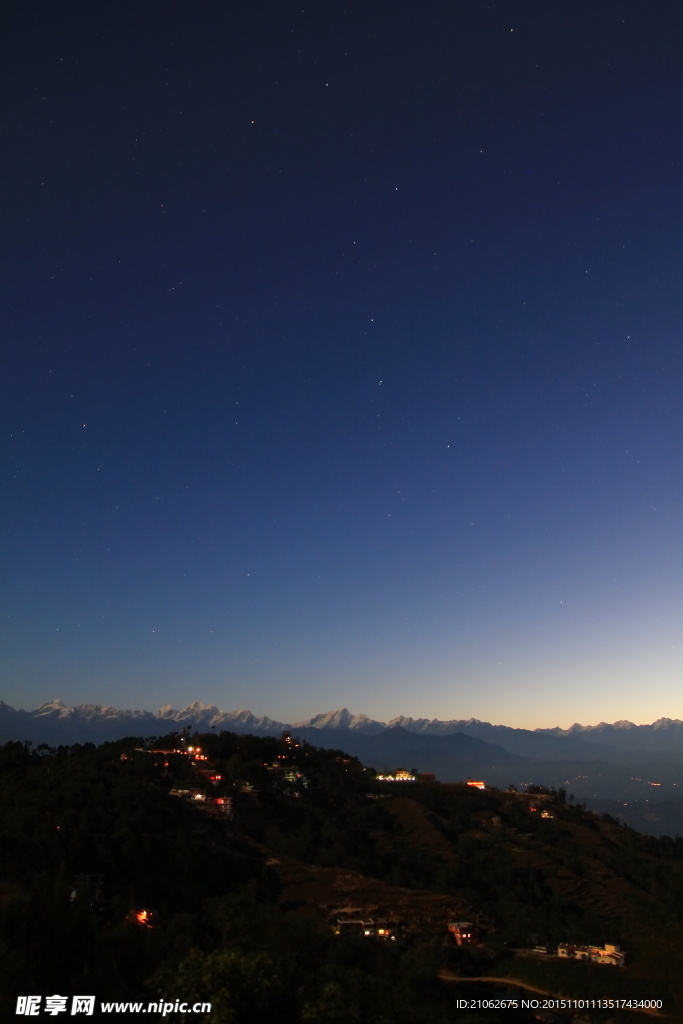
(343, 357)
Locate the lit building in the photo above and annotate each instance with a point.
(608, 955)
(400, 775)
(222, 805)
(464, 932)
(385, 929)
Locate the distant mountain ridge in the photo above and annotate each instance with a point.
(86, 721)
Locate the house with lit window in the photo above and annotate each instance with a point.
(463, 932)
(571, 951)
(608, 955)
(221, 806)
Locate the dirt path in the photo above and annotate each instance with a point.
(449, 976)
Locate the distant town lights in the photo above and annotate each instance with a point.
(400, 775)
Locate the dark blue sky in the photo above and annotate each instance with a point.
(342, 358)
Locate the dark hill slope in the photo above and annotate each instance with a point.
(313, 831)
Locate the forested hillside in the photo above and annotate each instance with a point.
(231, 868)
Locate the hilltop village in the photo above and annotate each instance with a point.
(285, 775)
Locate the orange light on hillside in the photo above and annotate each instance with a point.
(143, 917)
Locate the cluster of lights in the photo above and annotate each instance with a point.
(401, 775)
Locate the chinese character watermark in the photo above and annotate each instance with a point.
(29, 1006)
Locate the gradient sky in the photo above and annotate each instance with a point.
(342, 358)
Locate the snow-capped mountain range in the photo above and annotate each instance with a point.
(54, 722)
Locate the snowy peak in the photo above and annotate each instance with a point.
(342, 718)
(53, 707)
(207, 716)
(436, 726)
(242, 717)
(196, 712)
(339, 719)
(414, 724)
